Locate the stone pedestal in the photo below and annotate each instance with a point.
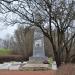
(37, 60)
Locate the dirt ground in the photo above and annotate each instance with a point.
(4, 72)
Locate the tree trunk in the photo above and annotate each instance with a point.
(57, 59)
(67, 58)
(56, 56)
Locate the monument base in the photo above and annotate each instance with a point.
(37, 60)
(34, 67)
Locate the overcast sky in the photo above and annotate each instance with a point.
(4, 28)
(7, 30)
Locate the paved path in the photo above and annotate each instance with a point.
(2, 72)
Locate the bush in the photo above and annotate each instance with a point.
(68, 69)
(12, 58)
(50, 60)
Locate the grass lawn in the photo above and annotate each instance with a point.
(4, 51)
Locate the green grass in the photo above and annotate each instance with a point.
(4, 51)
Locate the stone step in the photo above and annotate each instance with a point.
(34, 67)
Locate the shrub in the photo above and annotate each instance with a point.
(50, 60)
(12, 58)
(68, 69)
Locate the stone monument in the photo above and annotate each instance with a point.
(38, 44)
(38, 47)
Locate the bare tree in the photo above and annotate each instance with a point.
(22, 36)
(58, 14)
(13, 46)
